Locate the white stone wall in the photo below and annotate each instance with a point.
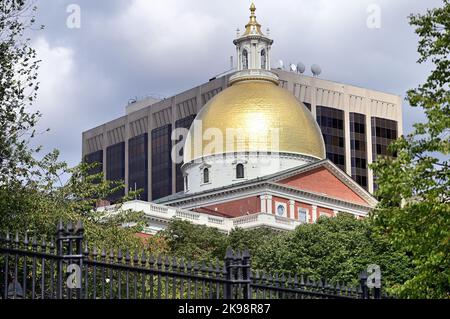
(222, 172)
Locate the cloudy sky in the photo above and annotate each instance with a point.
(131, 48)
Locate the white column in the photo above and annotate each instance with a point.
(314, 213)
(335, 212)
(269, 204)
(292, 209)
(263, 203)
(238, 58)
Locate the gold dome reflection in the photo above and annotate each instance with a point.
(258, 110)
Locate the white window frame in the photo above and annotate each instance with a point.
(306, 211)
(277, 204)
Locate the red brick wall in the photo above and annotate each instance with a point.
(323, 181)
(327, 211)
(240, 207)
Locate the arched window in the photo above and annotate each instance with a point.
(244, 59)
(263, 59)
(206, 175)
(239, 171)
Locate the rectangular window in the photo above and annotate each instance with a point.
(303, 215)
(138, 165)
(161, 162)
(115, 168)
(331, 123)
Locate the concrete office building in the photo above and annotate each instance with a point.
(357, 125)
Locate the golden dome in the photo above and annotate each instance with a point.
(256, 108)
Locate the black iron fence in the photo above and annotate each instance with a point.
(65, 269)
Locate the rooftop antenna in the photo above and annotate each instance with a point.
(293, 67)
(316, 70)
(238, 33)
(300, 68)
(280, 64)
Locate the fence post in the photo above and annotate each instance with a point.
(246, 274)
(59, 252)
(377, 293)
(363, 283)
(229, 273)
(69, 243)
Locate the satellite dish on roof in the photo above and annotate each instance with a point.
(293, 67)
(301, 67)
(316, 70)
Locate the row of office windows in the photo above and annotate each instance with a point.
(331, 122)
(115, 168)
(138, 165)
(358, 148)
(161, 162)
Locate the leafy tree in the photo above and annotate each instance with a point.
(204, 243)
(193, 242)
(240, 239)
(32, 197)
(18, 90)
(337, 249)
(413, 187)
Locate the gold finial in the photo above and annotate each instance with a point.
(253, 27)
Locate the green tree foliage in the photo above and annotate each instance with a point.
(37, 210)
(202, 243)
(18, 90)
(32, 197)
(413, 187)
(337, 249)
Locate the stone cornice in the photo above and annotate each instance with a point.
(258, 188)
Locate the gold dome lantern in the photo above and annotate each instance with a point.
(256, 108)
(266, 117)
